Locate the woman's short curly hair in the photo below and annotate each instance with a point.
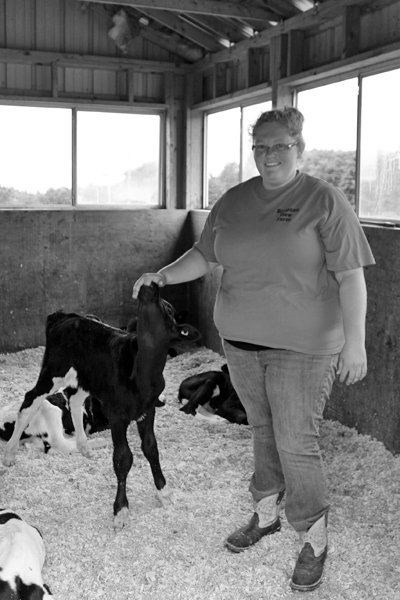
(289, 117)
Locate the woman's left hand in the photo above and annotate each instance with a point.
(352, 366)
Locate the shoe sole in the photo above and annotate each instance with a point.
(305, 588)
(237, 549)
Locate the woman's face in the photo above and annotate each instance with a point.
(276, 168)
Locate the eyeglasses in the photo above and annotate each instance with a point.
(278, 148)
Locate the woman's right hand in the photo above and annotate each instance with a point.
(147, 279)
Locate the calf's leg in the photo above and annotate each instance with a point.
(76, 405)
(150, 451)
(122, 460)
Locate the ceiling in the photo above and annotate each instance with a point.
(193, 29)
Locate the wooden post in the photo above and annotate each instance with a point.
(170, 143)
(278, 63)
(194, 149)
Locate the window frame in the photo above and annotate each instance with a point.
(222, 108)
(75, 107)
(358, 73)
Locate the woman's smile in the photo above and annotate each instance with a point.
(276, 166)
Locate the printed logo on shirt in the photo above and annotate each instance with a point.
(286, 214)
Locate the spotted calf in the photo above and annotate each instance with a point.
(123, 371)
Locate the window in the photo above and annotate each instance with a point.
(116, 157)
(380, 147)
(330, 133)
(35, 156)
(229, 159)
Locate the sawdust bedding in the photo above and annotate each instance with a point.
(177, 552)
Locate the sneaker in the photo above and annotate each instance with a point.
(264, 521)
(309, 568)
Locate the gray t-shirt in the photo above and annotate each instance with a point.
(279, 249)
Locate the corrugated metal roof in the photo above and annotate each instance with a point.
(193, 29)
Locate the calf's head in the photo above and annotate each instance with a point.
(155, 313)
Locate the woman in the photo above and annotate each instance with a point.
(291, 313)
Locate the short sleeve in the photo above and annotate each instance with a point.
(345, 243)
(205, 243)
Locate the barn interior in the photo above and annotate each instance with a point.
(174, 65)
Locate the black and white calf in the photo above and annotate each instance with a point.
(123, 371)
(212, 388)
(22, 555)
(51, 429)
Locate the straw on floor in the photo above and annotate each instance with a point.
(177, 553)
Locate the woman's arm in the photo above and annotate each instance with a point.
(353, 301)
(189, 266)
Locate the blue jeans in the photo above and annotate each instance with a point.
(284, 394)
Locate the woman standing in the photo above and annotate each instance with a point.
(290, 310)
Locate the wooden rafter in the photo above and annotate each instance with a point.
(322, 13)
(194, 34)
(168, 43)
(227, 28)
(221, 8)
(286, 8)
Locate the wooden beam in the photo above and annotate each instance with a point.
(341, 68)
(66, 99)
(278, 63)
(229, 29)
(221, 8)
(185, 29)
(258, 92)
(105, 63)
(167, 42)
(288, 8)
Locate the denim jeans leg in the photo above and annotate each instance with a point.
(298, 386)
(248, 379)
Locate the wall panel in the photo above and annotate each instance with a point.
(380, 27)
(83, 261)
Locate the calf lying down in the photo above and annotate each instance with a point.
(22, 555)
(51, 429)
(214, 391)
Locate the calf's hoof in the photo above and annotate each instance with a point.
(84, 449)
(121, 519)
(9, 457)
(188, 410)
(165, 496)
(97, 443)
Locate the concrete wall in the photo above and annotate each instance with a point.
(373, 405)
(83, 261)
(87, 261)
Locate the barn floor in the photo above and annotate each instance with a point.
(177, 553)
